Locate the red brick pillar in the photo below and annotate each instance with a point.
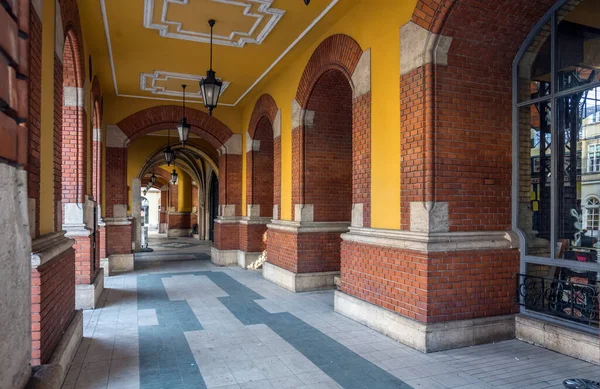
(330, 168)
(446, 279)
(226, 235)
(119, 232)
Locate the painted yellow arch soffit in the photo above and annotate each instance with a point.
(149, 48)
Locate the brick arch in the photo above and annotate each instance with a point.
(339, 52)
(440, 150)
(265, 107)
(168, 116)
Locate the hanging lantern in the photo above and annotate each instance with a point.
(211, 86)
(183, 128)
(153, 178)
(174, 177)
(169, 155)
(144, 192)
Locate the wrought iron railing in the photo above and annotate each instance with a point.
(567, 299)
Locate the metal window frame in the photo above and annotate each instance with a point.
(550, 16)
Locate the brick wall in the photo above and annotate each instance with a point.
(174, 197)
(259, 170)
(101, 242)
(116, 178)
(118, 239)
(305, 252)
(361, 155)
(35, 86)
(277, 173)
(432, 287)
(74, 137)
(14, 70)
(179, 222)
(251, 237)
(230, 183)
(163, 217)
(227, 236)
(327, 151)
(52, 304)
(468, 170)
(58, 105)
(84, 268)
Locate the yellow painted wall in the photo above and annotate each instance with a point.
(184, 191)
(47, 122)
(374, 25)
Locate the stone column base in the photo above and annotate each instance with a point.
(422, 336)
(119, 263)
(298, 282)
(557, 338)
(245, 259)
(87, 296)
(224, 257)
(52, 375)
(178, 233)
(162, 228)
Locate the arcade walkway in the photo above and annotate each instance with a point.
(180, 322)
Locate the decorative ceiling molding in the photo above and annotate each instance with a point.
(172, 29)
(259, 79)
(148, 84)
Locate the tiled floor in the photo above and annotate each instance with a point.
(184, 323)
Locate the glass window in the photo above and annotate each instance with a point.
(558, 129)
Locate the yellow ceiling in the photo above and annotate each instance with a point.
(251, 37)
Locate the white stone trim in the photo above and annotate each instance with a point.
(419, 47)
(245, 259)
(358, 215)
(233, 146)
(87, 296)
(115, 137)
(304, 212)
(429, 217)
(227, 210)
(277, 125)
(425, 337)
(117, 221)
(224, 257)
(298, 282)
(118, 263)
(251, 144)
(173, 29)
(253, 210)
(256, 82)
(38, 7)
(275, 212)
(296, 114)
(97, 135)
(308, 227)
(59, 31)
(434, 242)
(148, 84)
(254, 220)
(47, 247)
(73, 96)
(361, 78)
(178, 232)
(557, 338)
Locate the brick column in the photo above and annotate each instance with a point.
(446, 279)
(118, 225)
(226, 235)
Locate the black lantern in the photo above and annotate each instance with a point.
(169, 153)
(145, 191)
(183, 128)
(174, 177)
(153, 178)
(210, 86)
(307, 2)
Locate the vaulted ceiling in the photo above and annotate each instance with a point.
(149, 48)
